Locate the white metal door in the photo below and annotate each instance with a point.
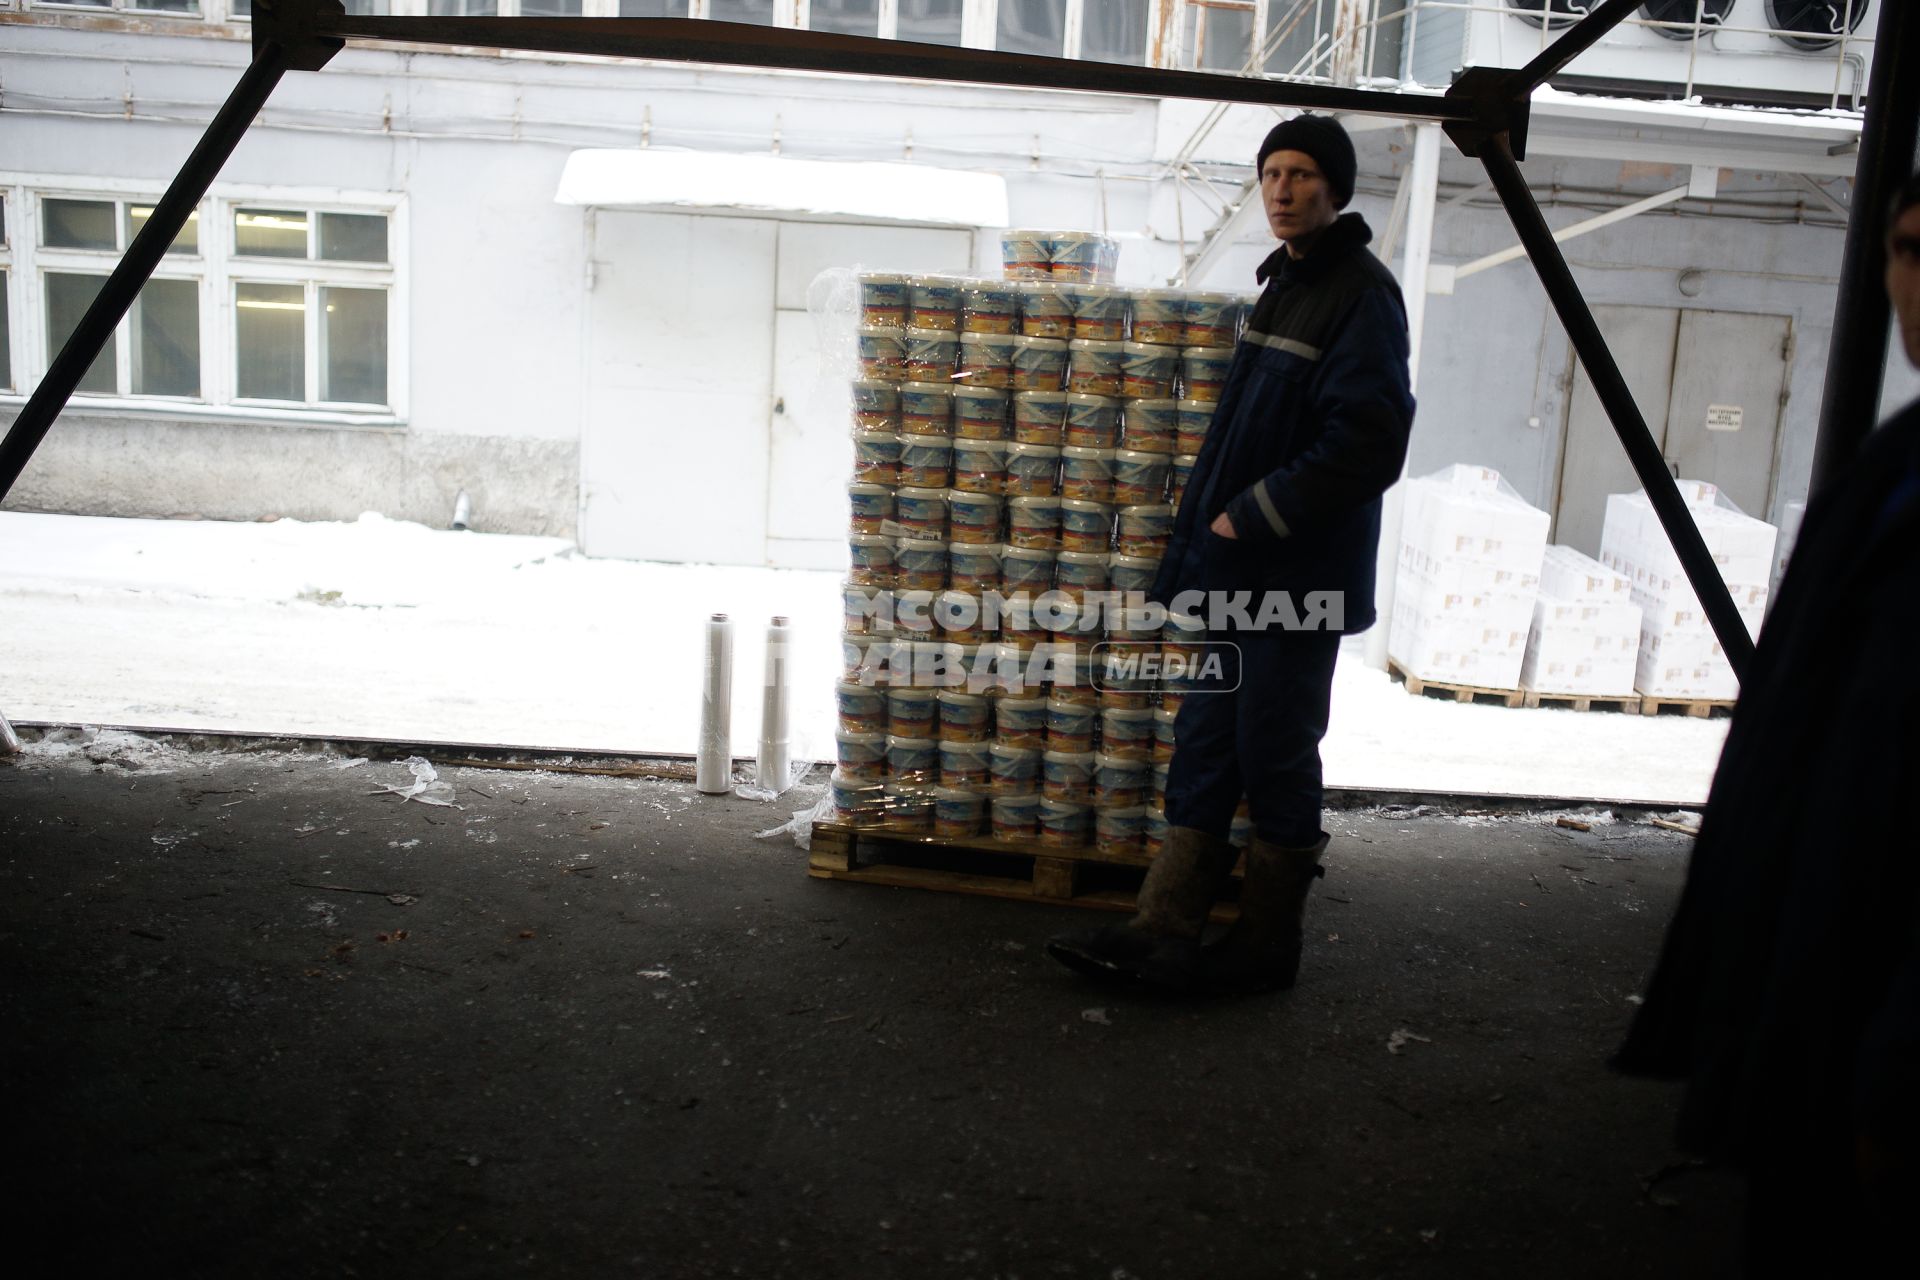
(812, 450)
(679, 385)
(1710, 384)
(811, 411)
(1593, 464)
(717, 429)
(1723, 419)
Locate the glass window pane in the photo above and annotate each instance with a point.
(369, 8)
(549, 8)
(353, 237)
(6, 338)
(1031, 26)
(353, 352)
(653, 8)
(68, 297)
(1303, 33)
(463, 8)
(930, 21)
(77, 224)
(1222, 40)
(244, 8)
(166, 6)
(845, 17)
(166, 339)
(758, 12)
(270, 233)
(1390, 37)
(188, 241)
(270, 338)
(3, 220)
(1115, 31)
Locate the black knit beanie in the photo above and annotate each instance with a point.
(1323, 138)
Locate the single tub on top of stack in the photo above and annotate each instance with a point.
(1019, 442)
(1679, 656)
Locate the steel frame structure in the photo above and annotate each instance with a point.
(1485, 112)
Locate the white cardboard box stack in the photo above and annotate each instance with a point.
(1466, 578)
(1678, 655)
(1586, 629)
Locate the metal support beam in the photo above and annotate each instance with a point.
(1389, 242)
(1573, 230)
(170, 213)
(1585, 34)
(1856, 357)
(742, 45)
(1420, 186)
(1423, 187)
(9, 740)
(1820, 193)
(1611, 387)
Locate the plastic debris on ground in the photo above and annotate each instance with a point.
(427, 788)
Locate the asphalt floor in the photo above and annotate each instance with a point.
(264, 1019)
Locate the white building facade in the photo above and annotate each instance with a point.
(404, 285)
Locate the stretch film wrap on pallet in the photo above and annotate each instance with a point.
(713, 772)
(775, 771)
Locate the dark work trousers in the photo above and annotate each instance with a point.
(1260, 739)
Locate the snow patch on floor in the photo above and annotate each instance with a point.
(379, 628)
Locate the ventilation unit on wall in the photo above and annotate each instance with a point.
(1798, 52)
(1816, 24)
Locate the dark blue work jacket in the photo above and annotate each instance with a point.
(1310, 430)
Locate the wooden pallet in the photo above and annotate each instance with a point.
(1628, 703)
(1025, 870)
(1459, 692)
(1696, 708)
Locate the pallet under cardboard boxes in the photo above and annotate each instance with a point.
(1679, 656)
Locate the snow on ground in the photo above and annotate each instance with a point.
(384, 629)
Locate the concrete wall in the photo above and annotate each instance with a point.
(116, 465)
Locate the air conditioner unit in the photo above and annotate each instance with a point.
(1780, 52)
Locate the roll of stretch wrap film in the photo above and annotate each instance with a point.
(775, 770)
(713, 772)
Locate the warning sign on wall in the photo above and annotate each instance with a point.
(1724, 417)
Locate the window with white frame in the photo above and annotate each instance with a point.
(310, 305)
(1116, 31)
(1300, 38)
(929, 21)
(155, 351)
(1104, 30)
(1217, 35)
(190, 8)
(268, 303)
(845, 17)
(494, 8)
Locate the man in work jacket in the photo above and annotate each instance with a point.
(1274, 547)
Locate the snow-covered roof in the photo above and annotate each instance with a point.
(859, 190)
